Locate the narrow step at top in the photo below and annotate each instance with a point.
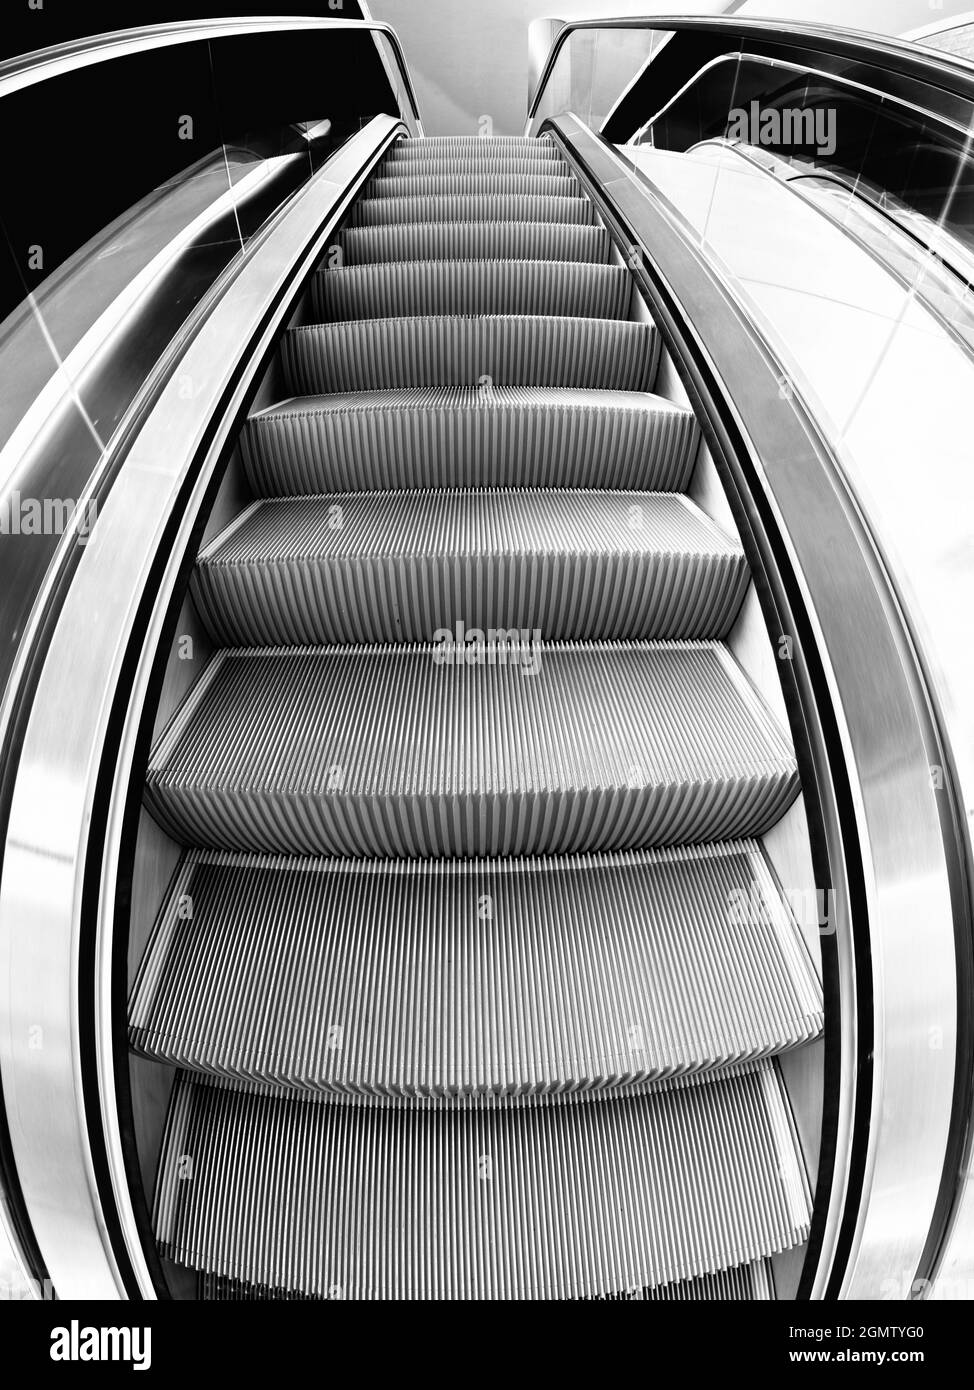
(473, 163)
(541, 181)
(475, 350)
(410, 289)
(413, 143)
(474, 979)
(402, 566)
(554, 1201)
(482, 747)
(465, 437)
(474, 241)
(470, 147)
(473, 207)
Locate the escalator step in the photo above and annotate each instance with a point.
(479, 152)
(375, 567)
(410, 288)
(752, 1282)
(463, 437)
(403, 751)
(489, 208)
(539, 182)
(473, 978)
(450, 143)
(531, 1201)
(384, 354)
(466, 241)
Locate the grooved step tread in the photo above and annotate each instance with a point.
(414, 288)
(403, 566)
(540, 181)
(751, 1282)
(473, 978)
(530, 1201)
(472, 148)
(461, 241)
(411, 751)
(488, 350)
(499, 207)
(465, 437)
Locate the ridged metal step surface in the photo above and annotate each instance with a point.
(476, 151)
(391, 354)
(561, 1200)
(473, 970)
(474, 978)
(514, 207)
(414, 752)
(466, 164)
(414, 288)
(402, 566)
(751, 1282)
(540, 181)
(465, 437)
(472, 241)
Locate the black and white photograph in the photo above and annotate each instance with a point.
(486, 680)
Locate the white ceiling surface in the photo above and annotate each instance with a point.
(469, 59)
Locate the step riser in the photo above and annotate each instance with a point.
(477, 287)
(465, 825)
(441, 445)
(376, 598)
(459, 241)
(478, 153)
(450, 185)
(548, 988)
(473, 166)
(386, 354)
(515, 1204)
(377, 212)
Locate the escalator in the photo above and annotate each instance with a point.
(453, 974)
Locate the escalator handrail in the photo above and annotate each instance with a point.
(877, 835)
(930, 67)
(42, 64)
(63, 971)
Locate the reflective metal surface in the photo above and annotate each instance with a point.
(49, 1049)
(935, 80)
(888, 733)
(29, 68)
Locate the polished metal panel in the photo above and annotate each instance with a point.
(41, 931)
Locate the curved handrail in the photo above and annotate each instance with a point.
(61, 1099)
(928, 66)
(886, 847)
(41, 64)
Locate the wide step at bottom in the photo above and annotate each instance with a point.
(474, 978)
(470, 748)
(560, 1200)
(751, 1282)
